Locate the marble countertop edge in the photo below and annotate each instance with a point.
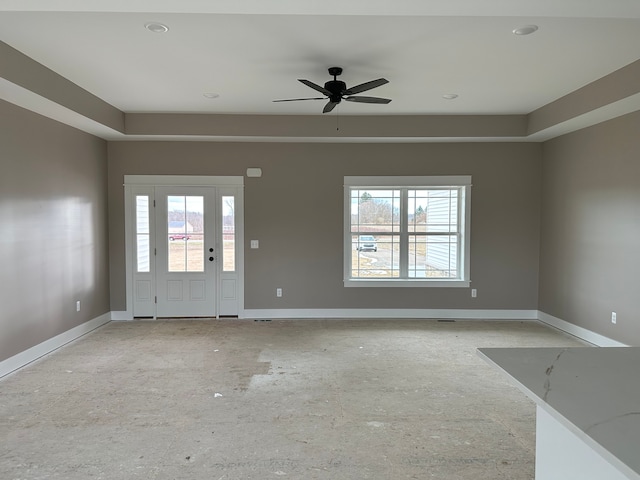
(485, 354)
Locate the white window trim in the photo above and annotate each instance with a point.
(183, 180)
(409, 182)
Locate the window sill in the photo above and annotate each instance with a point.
(367, 283)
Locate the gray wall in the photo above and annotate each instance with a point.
(584, 263)
(296, 212)
(590, 240)
(53, 229)
(561, 218)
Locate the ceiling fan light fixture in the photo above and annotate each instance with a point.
(525, 30)
(156, 27)
(336, 90)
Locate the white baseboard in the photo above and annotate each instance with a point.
(418, 313)
(24, 358)
(576, 331)
(117, 316)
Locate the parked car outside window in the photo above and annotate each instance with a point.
(367, 243)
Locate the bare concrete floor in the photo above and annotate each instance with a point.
(309, 399)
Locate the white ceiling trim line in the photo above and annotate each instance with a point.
(607, 112)
(474, 8)
(242, 139)
(24, 98)
(31, 101)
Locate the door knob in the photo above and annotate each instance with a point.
(211, 249)
(211, 259)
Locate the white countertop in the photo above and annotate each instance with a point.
(594, 392)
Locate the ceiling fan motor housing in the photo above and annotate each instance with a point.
(336, 87)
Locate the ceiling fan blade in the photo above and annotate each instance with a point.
(315, 87)
(329, 106)
(368, 100)
(298, 99)
(363, 87)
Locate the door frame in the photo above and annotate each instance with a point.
(222, 184)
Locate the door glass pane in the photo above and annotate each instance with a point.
(142, 233)
(228, 234)
(185, 233)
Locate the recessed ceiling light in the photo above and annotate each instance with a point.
(211, 95)
(450, 96)
(156, 27)
(525, 30)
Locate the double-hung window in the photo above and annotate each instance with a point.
(407, 231)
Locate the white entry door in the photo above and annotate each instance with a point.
(186, 251)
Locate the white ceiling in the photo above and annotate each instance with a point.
(251, 52)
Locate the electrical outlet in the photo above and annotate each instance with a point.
(278, 292)
(614, 318)
(78, 306)
(255, 244)
(474, 293)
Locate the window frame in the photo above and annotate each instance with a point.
(463, 182)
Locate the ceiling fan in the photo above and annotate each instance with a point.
(336, 91)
